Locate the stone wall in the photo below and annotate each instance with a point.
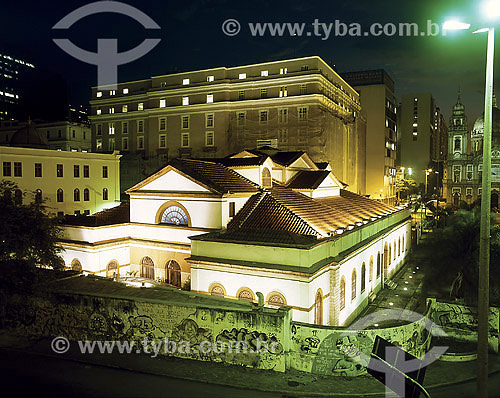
(85, 318)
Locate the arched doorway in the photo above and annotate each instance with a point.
(112, 270)
(147, 268)
(173, 273)
(387, 256)
(494, 200)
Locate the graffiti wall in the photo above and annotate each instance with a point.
(258, 332)
(330, 351)
(460, 322)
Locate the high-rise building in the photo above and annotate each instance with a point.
(12, 72)
(296, 104)
(376, 90)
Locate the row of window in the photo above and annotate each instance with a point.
(18, 170)
(399, 244)
(76, 195)
(274, 299)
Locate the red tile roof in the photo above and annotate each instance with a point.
(308, 179)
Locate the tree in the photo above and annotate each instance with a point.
(449, 258)
(28, 236)
(405, 186)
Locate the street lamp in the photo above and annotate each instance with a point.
(427, 172)
(491, 10)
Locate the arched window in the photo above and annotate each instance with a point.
(217, 290)
(147, 268)
(399, 247)
(378, 265)
(370, 270)
(363, 277)
(86, 195)
(266, 178)
(353, 285)
(76, 195)
(173, 273)
(76, 266)
(403, 243)
(318, 308)
(276, 300)
(18, 197)
(112, 270)
(389, 255)
(60, 195)
(38, 196)
(105, 194)
(245, 295)
(174, 215)
(342, 293)
(394, 249)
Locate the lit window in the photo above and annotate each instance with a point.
(111, 129)
(99, 94)
(112, 92)
(210, 98)
(242, 76)
(125, 91)
(174, 215)
(283, 71)
(185, 140)
(98, 111)
(105, 194)
(185, 82)
(162, 141)
(111, 109)
(163, 103)
(283, 91)
(111, 144)
(185, 100)
(125, 108)
(140, 106)
(98, 145)
(264, 73)
(210, 78)
(209, 138)
(266, 178)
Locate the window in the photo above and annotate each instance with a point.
(60, 195)
(111, 109)
(140, 142)
(241, 118)
(304, 67)
(163, 123)
(86, 195)
(185, 82)
(266, 178)
(174, 215)
(86, 171)
(111, 128)
(210, 78)
(99, 94)
(77, 212)
(112, 270)
(303, 89)
(209, 120)
(185, 100)
(263, 116)
(370, 270)
(363, 277)
(210, 98)
(263, 93)
(209, 138)
(457, 143)
(140, 106)
(99, 129)
(173, 273)
(283, 91)
(283, 115)
(468, 191)
(185, 122)
(283, 71)
(162, 141)
(245, 295)
(342, 293)
(242, 76)
(112, 92)
(163, 103)
(302, 136)
(38, 169)
(124, 127)
(378, 265)
(283, 136)
(73, 134)
(125, 91)
(59, 134)
(318, 308)
(264, 73)
(184, 140)
(76, 195)
(105, 194)
(76, 171)
(399, 247)
(18, 197)
(98, 111)
(302, 113)
(18, 169)
(457, 173)
(59, 170)
(48, 136)
(394, 249)
(104, 171)
(217, 290)
(147, 268)
(7, 169)
(125, 144)
(276, 300)
(231, 209)
(140, 126)
(469, 173)
(241, 94)
(353, 285)
(86, 212)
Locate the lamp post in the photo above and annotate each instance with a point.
(484, 242)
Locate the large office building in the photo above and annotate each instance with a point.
(376, 90)
(70, 182)
(296, 104)
(421, 131)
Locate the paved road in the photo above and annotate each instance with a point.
(467, 390)
(32, 375)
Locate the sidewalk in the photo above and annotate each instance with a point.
(289, 384)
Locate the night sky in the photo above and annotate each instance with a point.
(192, 39)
